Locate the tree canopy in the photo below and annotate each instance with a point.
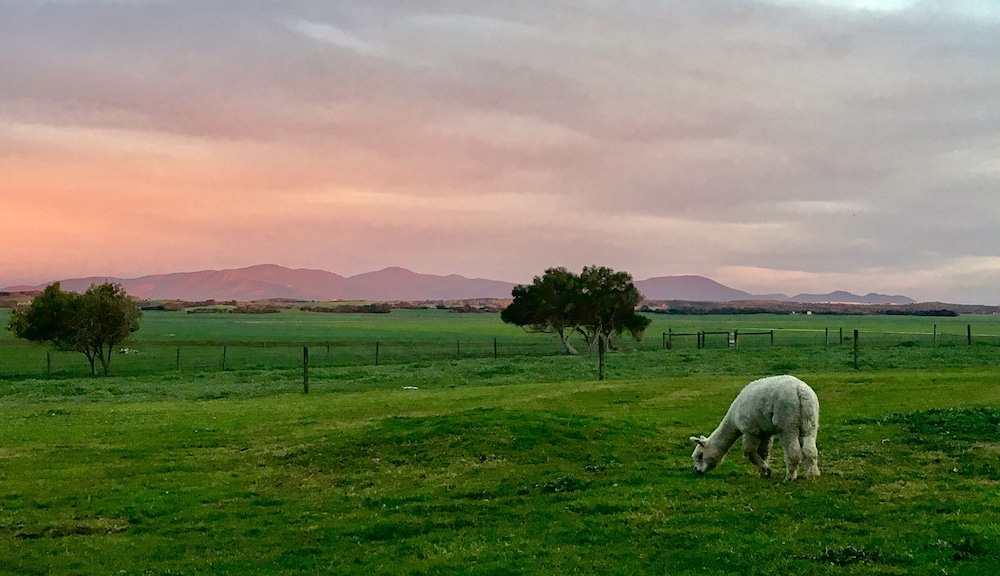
(92, 323)
(598, 303)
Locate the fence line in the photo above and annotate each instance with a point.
(19, 359)
(734, 335)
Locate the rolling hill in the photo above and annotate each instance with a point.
(267, 281)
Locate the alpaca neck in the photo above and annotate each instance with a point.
(723, 438)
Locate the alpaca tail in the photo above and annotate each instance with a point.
(809, 410)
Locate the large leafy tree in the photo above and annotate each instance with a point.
(47, 319)
(92, 323)
(546, 305)
(598, 304)
(607, 306)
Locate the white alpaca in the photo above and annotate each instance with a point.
(781, 406)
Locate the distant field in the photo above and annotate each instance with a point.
(176, 341)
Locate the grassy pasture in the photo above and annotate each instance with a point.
(521, 465)
(175, 341)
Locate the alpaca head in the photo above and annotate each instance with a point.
(704, 457)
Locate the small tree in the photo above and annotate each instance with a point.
(598, 304)
(105, 317)
(48, 319)
(607, 306)
(546, 305)
(92, 323)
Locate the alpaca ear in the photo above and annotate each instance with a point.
(699, 440)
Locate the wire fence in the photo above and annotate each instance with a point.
(20, 360)
(23, 360)
(817, 337)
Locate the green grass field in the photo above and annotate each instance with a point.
(186, 343)
(517, 465)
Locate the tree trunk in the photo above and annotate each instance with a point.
(609, 343)
(105, 360)
(91, 359)
(566, 344)
(592, 341)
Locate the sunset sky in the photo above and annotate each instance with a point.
(771, 145)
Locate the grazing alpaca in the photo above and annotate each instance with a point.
(781, 406)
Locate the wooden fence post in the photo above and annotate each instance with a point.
(48, 365)
(376, 352)
(855, 349)
(968, 330)
(600, 357)
(224, 357)
(496, 353)
(305, 369)
(177, 363)
(935, 333)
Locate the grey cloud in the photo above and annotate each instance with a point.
(727, 114)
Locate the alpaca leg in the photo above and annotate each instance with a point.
(764, 450)
(810, 456)
(751, 444)
(793, 454)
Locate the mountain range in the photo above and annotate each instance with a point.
(269, 281)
